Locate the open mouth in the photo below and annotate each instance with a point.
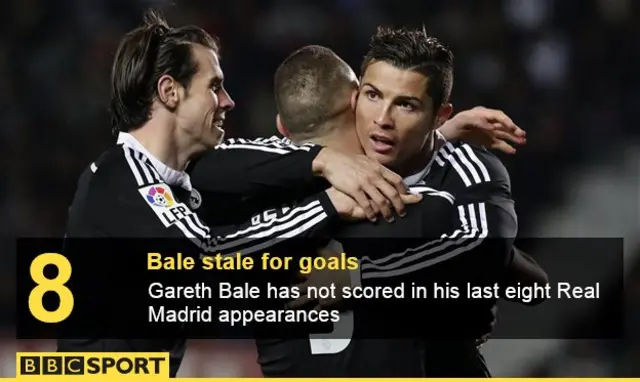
(219, 123)
(381, 144)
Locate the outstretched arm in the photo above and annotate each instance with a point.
(242, 176)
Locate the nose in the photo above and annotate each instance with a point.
(384, 120)
(225, 101)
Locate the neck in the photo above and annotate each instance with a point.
(161, 142)
(421, 159)
(340, 135)
(339, 142)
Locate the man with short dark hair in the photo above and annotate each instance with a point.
(403, 98)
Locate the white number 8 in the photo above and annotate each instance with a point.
(340, 338)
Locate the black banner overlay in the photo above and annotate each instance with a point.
(116, 295)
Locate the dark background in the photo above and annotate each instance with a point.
(565, 70)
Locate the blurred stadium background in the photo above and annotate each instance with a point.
(565, 70)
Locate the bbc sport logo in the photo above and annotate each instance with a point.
(160, 197)
(154, 367)
(134, 365)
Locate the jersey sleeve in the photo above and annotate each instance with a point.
(309, 218)
(483, 221)
(250, 168)
(146, 207)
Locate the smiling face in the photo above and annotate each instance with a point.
(394, 114)
(202, 110)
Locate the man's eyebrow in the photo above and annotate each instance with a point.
(409, 98)
(398, 98)
(371, 86)
(216, 80)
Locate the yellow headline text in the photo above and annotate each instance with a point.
(305, 264)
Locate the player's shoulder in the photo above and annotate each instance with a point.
(111, 161)
(121, 168)
(233, 154)
(104, 180)
(471, 165)
(435, 202)
(432, 196)
(282, 142)
(272, 143)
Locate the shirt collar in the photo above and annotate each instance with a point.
(168, 175)
(414, 179)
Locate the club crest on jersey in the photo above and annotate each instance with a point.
(195, 200)
(160, 197)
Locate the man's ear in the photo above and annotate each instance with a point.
(354, 99)
(281, 129)
(169, 92)
(443, 114)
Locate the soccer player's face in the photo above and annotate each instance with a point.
(202, 112)
(394, 114)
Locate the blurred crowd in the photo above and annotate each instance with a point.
(564, 70)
